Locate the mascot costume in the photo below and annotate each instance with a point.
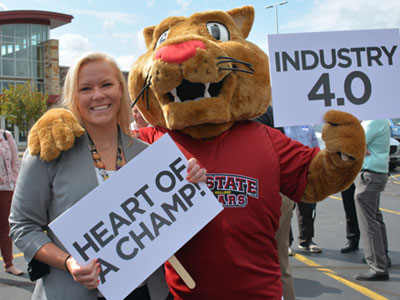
(202, 82)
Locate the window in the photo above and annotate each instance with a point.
(7, 30)
(37, 33)
(22, 68)
(21, 59)
(8, 67)
(21, 49)
(20, 30)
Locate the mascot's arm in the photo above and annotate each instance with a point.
(334, 168)
(54, 132)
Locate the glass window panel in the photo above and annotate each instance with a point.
(40, 53)
(36, 32)
(7, 50)
(8, 67)
(37, 70)
(34, 70)
(45, 33)
(12, 128)
(40, 87)
(21, 51)
(7, 29)
(22, 68)
(7, 39)
(20, 30)
(10, 49)
(9, 126)
(21, 40)
(22, 137)
(40, 70)
(37, 53)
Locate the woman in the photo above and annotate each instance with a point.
(9, 168)
(95, 91)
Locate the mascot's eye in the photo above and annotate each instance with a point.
(162, 38)
(218, 31)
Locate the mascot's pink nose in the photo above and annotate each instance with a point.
(178, 53)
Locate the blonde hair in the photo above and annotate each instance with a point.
(70, 89)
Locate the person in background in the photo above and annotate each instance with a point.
(284, 225)
(306, 212)
(138, 120)
(9, 169)
(370, 182)
(352, 229)
(95, 91)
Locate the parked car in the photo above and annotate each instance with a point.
(395, 128)
(394, 152)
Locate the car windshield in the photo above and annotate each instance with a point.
(396, 122)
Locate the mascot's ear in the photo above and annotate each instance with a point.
(148, 35)
(243, 18)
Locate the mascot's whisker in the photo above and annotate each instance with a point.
(234, 60)
(146, 85)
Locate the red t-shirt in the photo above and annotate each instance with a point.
(235, 255)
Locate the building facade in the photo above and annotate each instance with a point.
(28, 54)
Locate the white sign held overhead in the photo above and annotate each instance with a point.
(137, 219)
(355, 71)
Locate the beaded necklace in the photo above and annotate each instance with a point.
(119, 162)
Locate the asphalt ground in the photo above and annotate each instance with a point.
(328, 275)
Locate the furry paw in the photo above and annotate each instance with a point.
(334, 168)
(344, 135)
(54, 132)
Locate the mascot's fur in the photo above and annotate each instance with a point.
(200, 76)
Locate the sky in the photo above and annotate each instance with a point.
(115, 27)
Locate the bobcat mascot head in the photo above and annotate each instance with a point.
(200, 74)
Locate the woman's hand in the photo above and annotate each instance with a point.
(195, 173)
(87, 275)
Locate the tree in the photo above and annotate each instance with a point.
(22, 105)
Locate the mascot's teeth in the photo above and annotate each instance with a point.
(174, 94)
(206, 93)
(176, 98)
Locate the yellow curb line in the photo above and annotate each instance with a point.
(367, 292)
(15, 256)
(390, 211)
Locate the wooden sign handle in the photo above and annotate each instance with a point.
(187, 279)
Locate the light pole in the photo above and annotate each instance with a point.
(276, 11)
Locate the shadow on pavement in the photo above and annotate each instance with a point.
(302, 288)
(20, 284)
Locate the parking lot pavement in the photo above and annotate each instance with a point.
(330, 274)
(16, 287)
(326, 276)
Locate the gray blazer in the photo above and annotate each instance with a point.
(45, 190)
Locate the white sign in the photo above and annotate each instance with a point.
(353, 71)
(137, 219)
